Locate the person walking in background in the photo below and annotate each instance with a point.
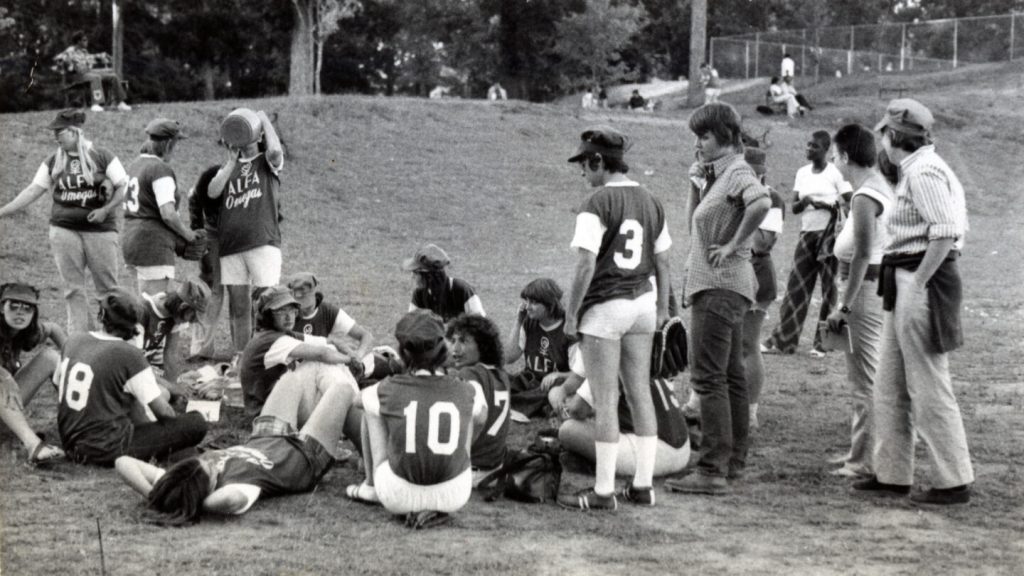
(818, 186)
(152, 228)
(80, 65)
(88, 185)
(249, 233)
(727, 203)
(788, 67)
(711, 83)
(859, 252)
(921, 301)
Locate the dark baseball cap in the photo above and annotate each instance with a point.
(428, 257)
(275, 298)
(419, 330)
(165, 128)
(67, 119)
(603, 140)
(300, 279)
(19, 293)
(195, 293)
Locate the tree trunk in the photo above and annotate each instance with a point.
(117, 42)
(209, 73)
(698, 38)
(303, 53)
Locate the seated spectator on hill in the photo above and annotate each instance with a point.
(419, 427)
(475, 346)
(497, 92)
(539, 337)
(21, 330)
(277, 353)
(789, 88)
(435, 290)
(166, 315)
(779, 95)
(575, 402)
(285, 455)
(587, 102)
(80, 65)
(109, 402)
(636, 101)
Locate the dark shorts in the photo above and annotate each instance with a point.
(319, 459)
(764, 273)
(148, 243)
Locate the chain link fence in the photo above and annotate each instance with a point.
(882, 48)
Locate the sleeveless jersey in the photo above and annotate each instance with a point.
(272, 463)
(249, 210)
(544, 351)
(449, 304)
(323, 320)
(428, 419)
(94, 394)
(489, 449)
(671, 424)
(155, 329)
(74, 198)
(633, 220)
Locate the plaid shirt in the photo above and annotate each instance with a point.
(930, 204)
(730, 187)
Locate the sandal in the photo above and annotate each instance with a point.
(45, 453)
(362, 493)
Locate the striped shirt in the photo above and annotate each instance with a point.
(715, 220)
(930, 205)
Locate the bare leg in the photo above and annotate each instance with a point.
(636, 379)
(38, 370)
(240, 310)
(327, 422)
(12, 412)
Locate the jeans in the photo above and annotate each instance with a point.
(75, 251)
(865, 323)
(718, 375)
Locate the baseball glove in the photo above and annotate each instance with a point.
(669, 353)
(195, 249)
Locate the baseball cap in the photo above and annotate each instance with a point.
(420, 330)
(303, 279)
(67, 119)
(428, 257)
(756, 158)
(275, 298)
(908, 116)
(603, 140)
(20, 293)
(195, 293)
(163, 128)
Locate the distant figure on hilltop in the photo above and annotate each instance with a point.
(587, 102)
(497, 92)
(788, 69)
(80, 65)
(636, 101)
(602, 97)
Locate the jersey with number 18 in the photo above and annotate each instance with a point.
(624, 225)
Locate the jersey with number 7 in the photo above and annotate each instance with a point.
(429, 421)
(625, 226)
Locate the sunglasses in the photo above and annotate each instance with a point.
(15, 306)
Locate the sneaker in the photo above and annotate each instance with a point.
(698, 484)
(641, 496)
(871, 484)
(768, 347)
(517, 416)
(848, 471)
(943, 496)
(839, 460)
(123, 107)
(588, 500)
(817, 353)
(96, 108)
(362, 493)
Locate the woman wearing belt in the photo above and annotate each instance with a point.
(859, 251)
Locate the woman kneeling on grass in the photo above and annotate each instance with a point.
(275, 461)
(21, 330)
(419, 426)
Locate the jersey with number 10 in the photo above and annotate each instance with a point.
(429, 419)
(633, 221)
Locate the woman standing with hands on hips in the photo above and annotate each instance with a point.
(619, 297)
(249, 236)
(727, 204)
(83, 226)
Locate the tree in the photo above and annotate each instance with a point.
(698, 39)
(315, 21)
(590, 43)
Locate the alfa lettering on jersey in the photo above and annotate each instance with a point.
(243, 189)
(540, 364)
(73, 185)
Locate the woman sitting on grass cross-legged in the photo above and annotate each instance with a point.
(419, 426)
(279, 458)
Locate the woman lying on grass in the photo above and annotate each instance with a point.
(275, 461)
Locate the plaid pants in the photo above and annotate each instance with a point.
(806, 269)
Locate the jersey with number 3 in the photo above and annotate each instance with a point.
(429, 420)
(140, 198)
(625, 226)
(489, 449)
(97, 382)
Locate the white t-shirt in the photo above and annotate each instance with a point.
(788, 67)
(845, 242)
(826, 187)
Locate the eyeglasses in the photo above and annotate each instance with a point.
(14, 306)
(301, 291)
(289, 311)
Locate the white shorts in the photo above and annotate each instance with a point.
(313, 379)
(614, 319)
(259, 267)
(144, 273)
(399, 496)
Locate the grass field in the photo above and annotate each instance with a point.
(369, 179)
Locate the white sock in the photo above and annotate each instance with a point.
(646, 448)
(694, 402)
(753, 412)
(604, 480)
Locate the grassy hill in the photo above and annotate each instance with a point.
(369, 179)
